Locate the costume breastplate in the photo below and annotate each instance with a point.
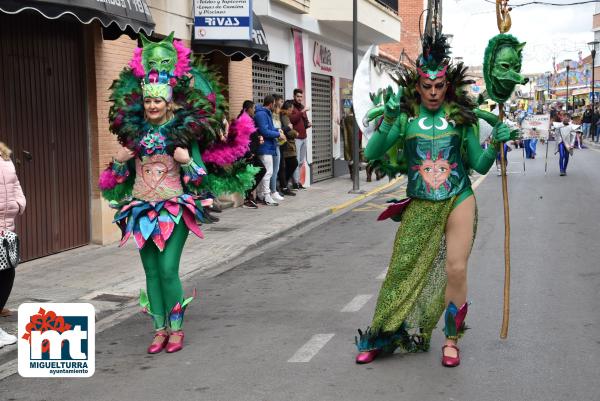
(432, 147)
(157, 178)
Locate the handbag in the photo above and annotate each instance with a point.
(9, 248)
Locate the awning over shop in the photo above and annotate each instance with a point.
(116, 16)
(237, 49)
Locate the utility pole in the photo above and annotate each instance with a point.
(355, 149)
(593, 46)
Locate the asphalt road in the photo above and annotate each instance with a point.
(281, 326)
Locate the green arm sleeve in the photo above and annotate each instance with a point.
(385, 137)
(479, 159)
(488, 117)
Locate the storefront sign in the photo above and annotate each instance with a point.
(322, 57)
(222, 19)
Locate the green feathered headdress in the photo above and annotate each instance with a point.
(435, 58)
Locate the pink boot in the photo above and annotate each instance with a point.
(174, 347)
(156, 346)
(449, 361)
(367, 356)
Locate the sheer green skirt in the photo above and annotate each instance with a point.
(411, 299)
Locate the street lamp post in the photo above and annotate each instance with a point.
(355, 142)
(548, 77)
(592, 46)
(568, 63)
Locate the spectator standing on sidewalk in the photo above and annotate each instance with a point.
(12, 204)
(264, 122)
(288, 149)
(586, 122)
(277, 159)
(300, 123)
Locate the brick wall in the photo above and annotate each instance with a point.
(105, 59)
(240, 85)
(409, 12)
(596, 21)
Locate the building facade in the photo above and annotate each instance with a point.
(54, 108)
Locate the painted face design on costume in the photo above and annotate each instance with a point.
(435, 173)
(161, 56)
(154, 174)
(502, 66)
(159, 178)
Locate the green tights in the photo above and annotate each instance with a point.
(162, 274)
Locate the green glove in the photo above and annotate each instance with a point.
(501, 133)
(391, 104)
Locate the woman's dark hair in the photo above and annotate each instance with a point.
(277, 96)
(248, 104)
(288, 104)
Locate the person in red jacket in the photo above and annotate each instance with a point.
(300, 122)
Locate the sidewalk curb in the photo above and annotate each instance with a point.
(359, 198)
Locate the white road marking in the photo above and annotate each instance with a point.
(382, 275)
(358, 302)
(311, 348)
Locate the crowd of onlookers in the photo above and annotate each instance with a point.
(277, 147)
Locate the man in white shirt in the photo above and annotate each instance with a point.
(565, 139)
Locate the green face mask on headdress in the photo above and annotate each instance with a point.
(159, 60)
(161, 56)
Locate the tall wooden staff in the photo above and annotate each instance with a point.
(504, 22)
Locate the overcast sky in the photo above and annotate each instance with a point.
(549, 31)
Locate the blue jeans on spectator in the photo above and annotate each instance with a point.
(301, 156)
(586, 129)
(273, 184)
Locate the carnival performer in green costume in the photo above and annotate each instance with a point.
(167, 113)
(429, 131)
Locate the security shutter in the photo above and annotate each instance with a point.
(267, 79)
(322, 148)
(43, 119)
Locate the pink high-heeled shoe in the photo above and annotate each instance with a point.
(367, 356)
(156, 347)
(174, 347)
(450, 361)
